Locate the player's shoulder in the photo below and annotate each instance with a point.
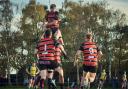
(56, 12)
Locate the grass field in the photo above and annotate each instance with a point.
(12, 87)
(20, 87)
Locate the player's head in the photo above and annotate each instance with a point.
(89, 36)
(52, 7)
(33, 63)
(103, 70)
(48, 33)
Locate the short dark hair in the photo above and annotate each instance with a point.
(88, 35)
(52, 6)
(48, 33)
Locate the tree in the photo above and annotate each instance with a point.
(98, 19)
(5, 18)
(32, 14)
(15, 45)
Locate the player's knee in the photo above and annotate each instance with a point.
(61, 75)
(43, 75)
(60, 71)
(91, 79)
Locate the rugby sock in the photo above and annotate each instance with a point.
(42, 83)
(82, 87)
(49, 83)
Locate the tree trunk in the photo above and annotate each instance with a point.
(78, 82)
(16, 78)
(8, 66)
(9, 77)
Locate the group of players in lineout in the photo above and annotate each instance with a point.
(50, 49)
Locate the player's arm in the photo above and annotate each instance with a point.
(27, 71)
(77, 57)
(63, 51)
(36, 52)
(78, 54)
(37, 70)
(45, 20)
(105, 76)
(46, 16)
(58, 16)
(99, 54)
(55, 22)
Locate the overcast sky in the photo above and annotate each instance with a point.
(115, 4)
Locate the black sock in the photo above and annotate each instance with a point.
(51, 84)
(42, 83)
(82, 87)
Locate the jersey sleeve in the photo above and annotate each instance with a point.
(28, 68)
(37, 45)
(56, 15)
(81, 47)
(46, 16)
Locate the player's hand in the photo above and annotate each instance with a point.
(75, 62)
(37, 73)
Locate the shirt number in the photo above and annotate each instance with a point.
(91, 50)
(45, 49)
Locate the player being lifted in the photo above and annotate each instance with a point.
(53, 22)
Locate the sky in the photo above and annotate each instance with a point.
(122, 5)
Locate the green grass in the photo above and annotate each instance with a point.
(12, 87)
(21, 87)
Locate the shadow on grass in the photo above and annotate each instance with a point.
(12, 87)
